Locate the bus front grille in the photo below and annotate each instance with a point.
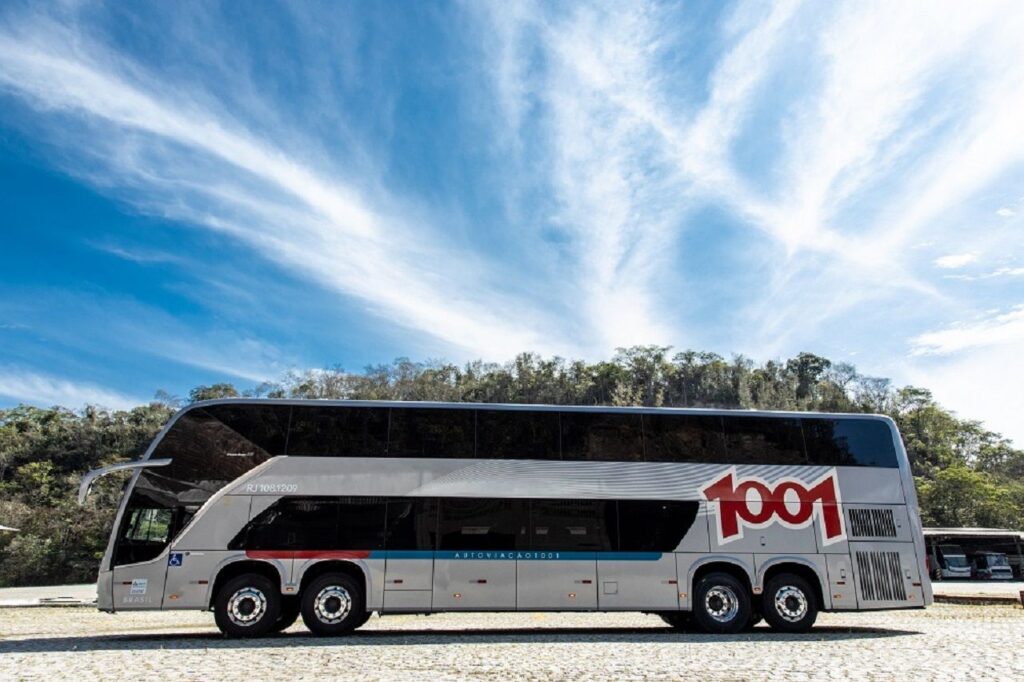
(872, 523)
(881, 578)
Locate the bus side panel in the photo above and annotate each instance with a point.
(216, 525)
(466, 584)
(549, 585)
(140, 586)
(886, 575)
(191, 575)
(641, 583)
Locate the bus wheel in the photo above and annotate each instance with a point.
(333, 604)
(289, 614)
(247, 606)
(790, 604)
(721, 604)
(680, 620)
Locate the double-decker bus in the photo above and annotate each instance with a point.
(265, 510)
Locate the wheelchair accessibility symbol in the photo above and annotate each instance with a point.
(175, 559)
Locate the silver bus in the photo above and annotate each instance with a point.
(266, 510)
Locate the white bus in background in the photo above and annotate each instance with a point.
(265, 510)
(950, 561)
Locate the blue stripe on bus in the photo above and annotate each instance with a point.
(506, 555)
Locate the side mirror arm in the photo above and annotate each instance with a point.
(90, 478)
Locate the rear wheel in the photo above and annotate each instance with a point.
(247, 606)
(721, 604)
(333, 604)
(790, 603)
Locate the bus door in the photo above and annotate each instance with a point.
(409, 563)
(559, 570)
(475, 565)
(642, 573)
(140, 558)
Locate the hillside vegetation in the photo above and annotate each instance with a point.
(966, 475)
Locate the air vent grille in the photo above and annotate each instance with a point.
(872, 523)
(880, 576)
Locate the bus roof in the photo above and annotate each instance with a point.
(534, 407)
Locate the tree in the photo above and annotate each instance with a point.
(212, 392)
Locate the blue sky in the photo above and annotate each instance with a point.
(200, 192)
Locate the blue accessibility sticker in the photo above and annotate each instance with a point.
(175, 559)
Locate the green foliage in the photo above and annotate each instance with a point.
(966, 475)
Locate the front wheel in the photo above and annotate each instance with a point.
(790, 604)
(247, 606)
(721, 604)
(333, 604)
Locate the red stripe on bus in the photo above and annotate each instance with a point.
(308, 554)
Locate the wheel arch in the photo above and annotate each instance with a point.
(349, 568)
(720, 564)
(233, 569)
(801, 567)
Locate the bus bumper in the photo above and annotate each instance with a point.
(105, 591)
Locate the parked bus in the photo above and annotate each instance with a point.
(265, 510)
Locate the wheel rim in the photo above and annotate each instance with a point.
(247, 606)
(721, 603)
(791, 603)
(332, 604)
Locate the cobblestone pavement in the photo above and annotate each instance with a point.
(943, 642)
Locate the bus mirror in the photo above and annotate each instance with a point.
(89, 478)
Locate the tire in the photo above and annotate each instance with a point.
(289, 614)
(333, 604)
(679, 620)
(247, 606)
(790, 603)
(722, 604)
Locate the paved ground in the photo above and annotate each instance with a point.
(942, 642)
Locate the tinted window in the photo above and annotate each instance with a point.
(411, 524)
(683, 438)
(850, 442)
(213, 446)
(482, 524)
(338, 432)
(506, 434)
(361, 523)
(763, 440)
(572, 525)
(431, 433)
(654, 525)
(609, 437)
(292, 524)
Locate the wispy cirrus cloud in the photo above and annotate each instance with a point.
(993, 330)
(31, 387)
(292, 213)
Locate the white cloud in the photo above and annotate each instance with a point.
(980, 383)
(41, 389)
(955, 260)
(1006, 212)
(197, 165)
(994, 330)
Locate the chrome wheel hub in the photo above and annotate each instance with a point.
(247, 606)
(332, 604)
(721, 603)
(790, 603)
